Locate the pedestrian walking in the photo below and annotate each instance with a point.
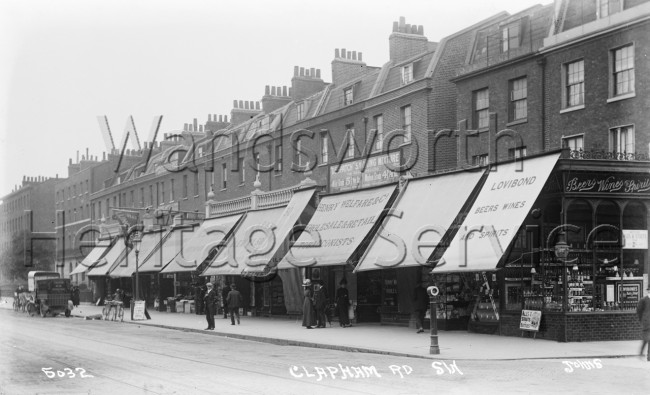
(209, 304)
(343, 303)
(320, 305)
(224, 297)
(308, 312)
(75, 296)
(234, 300)
(420, 305)
(643, 311)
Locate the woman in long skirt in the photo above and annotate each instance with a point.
(308, 312)
(343, 303)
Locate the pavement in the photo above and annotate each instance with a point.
(375, 338)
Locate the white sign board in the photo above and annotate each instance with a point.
(530, 320)
(492, 223)
(635, 239)
(138, 310)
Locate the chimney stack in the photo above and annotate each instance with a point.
(243, 112)
(347, 67)
(406, 41)
(305, 82)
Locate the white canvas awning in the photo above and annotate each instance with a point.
(497, 214)
(422, 213)
(339, 225)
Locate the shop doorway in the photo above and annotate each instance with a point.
(369, 296)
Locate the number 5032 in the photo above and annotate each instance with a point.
(67, 372)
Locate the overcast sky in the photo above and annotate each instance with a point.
(65, 62)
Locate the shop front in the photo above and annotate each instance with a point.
(583, 264)
(249, 255)
(332, 243)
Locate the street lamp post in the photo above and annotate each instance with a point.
(136, 247)
(562, 252)
(433, 292)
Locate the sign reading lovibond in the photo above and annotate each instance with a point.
(623, 183)
(351, 175)
(498, 212)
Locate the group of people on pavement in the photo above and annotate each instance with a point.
(315, 305)
(231, 300)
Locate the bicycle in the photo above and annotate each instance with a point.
(115, 307)
(16, 302)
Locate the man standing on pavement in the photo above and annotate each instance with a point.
(420, 305)
(234, 300)
(209, 303)
(643, 311)
(225, 290)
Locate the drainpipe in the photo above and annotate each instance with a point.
(542, 63)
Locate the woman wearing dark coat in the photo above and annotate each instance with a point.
(343, 303)
(308, 312)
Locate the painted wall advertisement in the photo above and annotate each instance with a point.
(349, 176)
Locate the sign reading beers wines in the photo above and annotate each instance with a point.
(495, 217)
(625, 183)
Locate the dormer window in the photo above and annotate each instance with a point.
(300, 110)
(407, 74)
(348, 96)
(510, 36)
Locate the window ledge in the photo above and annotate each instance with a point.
(574, 108)
(196, 196)
(185, 198)
(517, 122)
(621, 97)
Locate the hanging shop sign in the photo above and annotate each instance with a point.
(351, 175)
(622, 183)
(530, 320)
(635, 239)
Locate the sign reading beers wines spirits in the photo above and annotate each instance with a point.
(624, 183)
(494, 219)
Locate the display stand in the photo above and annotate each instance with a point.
(530, 320)
(139, 311)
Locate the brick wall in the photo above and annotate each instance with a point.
(598, 116)
(579, 327)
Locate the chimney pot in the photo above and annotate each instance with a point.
(414, 29)
(209, 117)
(421, 30)
(336, 53)
(267, 90)
(360, 57)
(402, 21)
(312, 72)
(272, 91)
(241, 104)
(70, 161)
(225, 118)
(257, 105)
(302, 71)
(234, 103)
(196, 122)
(284, 91)
(407, 28)
(200, 129)
(317, 73)
(296, 70)
(395, 26)
(279, 90)
(343, 53)
(354, 55)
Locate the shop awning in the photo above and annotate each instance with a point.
(421, 214)
(261, 239)
(112, 257)
(498, 212)
(171, 246)
(339, 225)
(210, 234)
(95, 255)
(127, 267)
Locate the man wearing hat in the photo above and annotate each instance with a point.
(209, 302)
(308, 312)
(643, 311)
(234, 301)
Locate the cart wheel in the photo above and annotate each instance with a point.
(67, 313)
(43, 312)
(31, 309)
